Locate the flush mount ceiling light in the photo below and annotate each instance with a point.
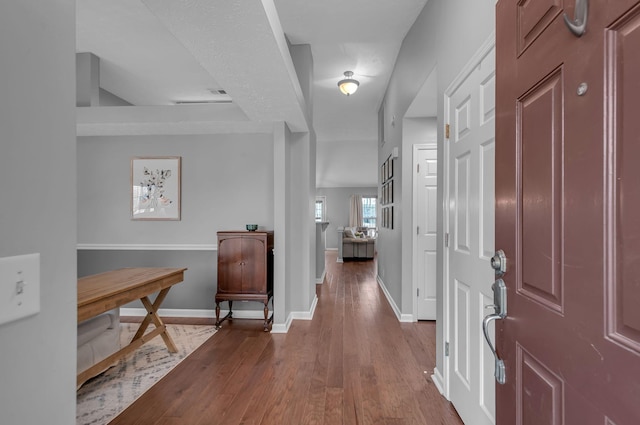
(348, 85)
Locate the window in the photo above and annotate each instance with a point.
(321, 208)
(369, 212)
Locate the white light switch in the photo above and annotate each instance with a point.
(19, 287)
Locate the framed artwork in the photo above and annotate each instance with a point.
(155, 188)
(389, 167)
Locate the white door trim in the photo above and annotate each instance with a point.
(444, 375)
(431, 144)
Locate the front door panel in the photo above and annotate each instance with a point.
(568, 212)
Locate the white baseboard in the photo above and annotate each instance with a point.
(438, 380)
(194, 313)
(170, 312)
(306, 315)
(282, 328)
(321, 278)
(331, 249)
(393, 304)
(407, 318)
(237, 314)
(295, 315)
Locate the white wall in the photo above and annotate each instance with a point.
(38, 207)
(346, 164)
(445, 35)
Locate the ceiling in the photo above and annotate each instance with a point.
(159, 52)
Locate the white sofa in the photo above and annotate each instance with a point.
(98, 338)
(357, 247)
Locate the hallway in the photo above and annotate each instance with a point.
(354, 363)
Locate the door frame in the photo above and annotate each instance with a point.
(441, 378)
(430, 144)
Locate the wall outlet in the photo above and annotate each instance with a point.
(19, 287)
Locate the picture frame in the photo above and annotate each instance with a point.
(155, 188)
(389, 167)
(384, 194)
(384, 172)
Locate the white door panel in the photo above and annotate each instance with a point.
(426, 181)
(470, 165)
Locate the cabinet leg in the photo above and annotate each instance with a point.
(228, 316)
(267, 319)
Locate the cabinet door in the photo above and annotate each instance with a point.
(230, 265)
(254, 266)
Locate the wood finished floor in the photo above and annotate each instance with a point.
(354, 364)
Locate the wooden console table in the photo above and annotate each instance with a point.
(106, 291)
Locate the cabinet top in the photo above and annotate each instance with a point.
(245, 232)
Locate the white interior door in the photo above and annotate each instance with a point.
(470, 224)
(426, 184)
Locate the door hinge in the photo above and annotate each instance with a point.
(418, 292)
(446, 349)
(418, 230)
(446, 240)
(418, 169)
(446, 131)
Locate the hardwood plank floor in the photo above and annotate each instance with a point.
(353, 364)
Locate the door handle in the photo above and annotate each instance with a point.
(500, 306)
(578, 25)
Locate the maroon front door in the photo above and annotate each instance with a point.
(568, 212)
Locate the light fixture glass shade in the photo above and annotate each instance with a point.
(348, 86)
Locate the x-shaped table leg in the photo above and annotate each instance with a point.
(152, 316)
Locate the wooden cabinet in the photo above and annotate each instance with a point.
(245, 270)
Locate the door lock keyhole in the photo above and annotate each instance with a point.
(499, 263)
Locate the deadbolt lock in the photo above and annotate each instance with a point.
(499, 263)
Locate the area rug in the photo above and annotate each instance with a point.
(102, 398)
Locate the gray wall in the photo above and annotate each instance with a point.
(197, 291)
(227, 182)
(338, 208)
(38, 208)
(430, 43)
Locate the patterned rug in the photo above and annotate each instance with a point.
(102, 398)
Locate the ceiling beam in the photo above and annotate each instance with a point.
(168, 120)
(242, 45)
